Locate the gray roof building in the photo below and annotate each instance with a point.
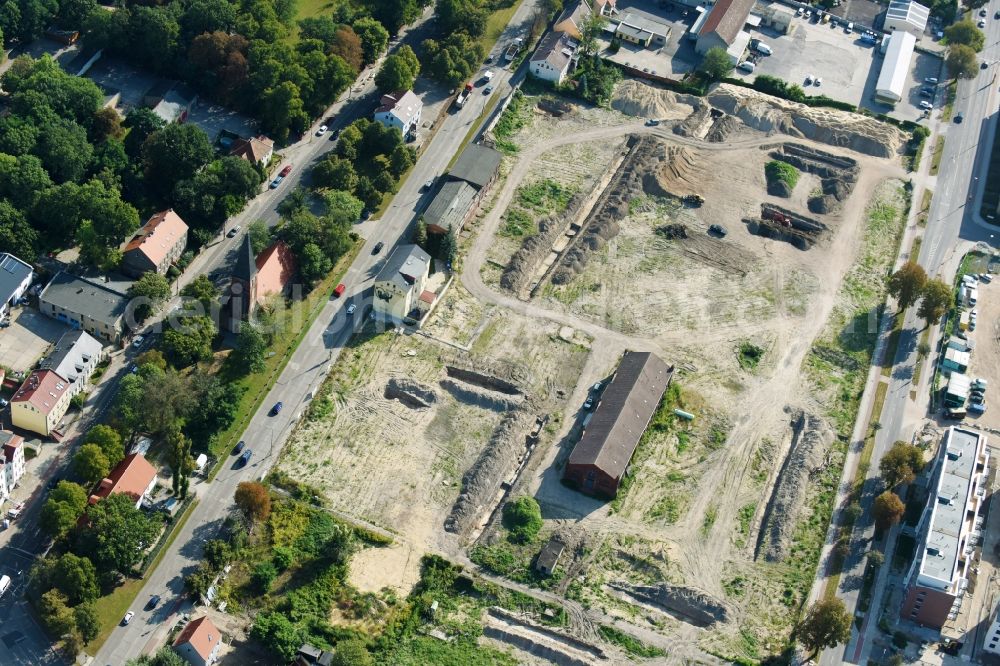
(15, 276)
(404, 266)
(87, 304)
(548, 559)
(75, 356)
(451, 205)
(477, 165)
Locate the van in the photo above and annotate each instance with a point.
(973, 296)
(957, 413)
(746, 66)
(4, 584)
(849, 29)
(764, 49)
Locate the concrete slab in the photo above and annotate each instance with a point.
(27, 339)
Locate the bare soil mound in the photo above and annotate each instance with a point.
(685, 603)
(642, 100)
(675, 174)
(410, 393)
(837, 128)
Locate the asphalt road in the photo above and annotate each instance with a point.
(950, 231)
(266, 433)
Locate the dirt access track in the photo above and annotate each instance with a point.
(699, 498)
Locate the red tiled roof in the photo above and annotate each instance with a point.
(158, 236)
(10, 448)
(727, 18)
(202, 635)
(42, 388)
(254, 149)
(427, 296)
(132, 476)
(275, 269)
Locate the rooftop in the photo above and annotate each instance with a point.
(131, 476)
(158, 236)
(201, 634)
(10, 443)
(402, 104)
(13, 272)
(450, 205)
(476, 165)
(404, 266)
(643, 23)
(556, 49)
(905, 10)
(960, 455)
(254, 149)
(42, 389)
(93, 299)
(624, 411)
(72, 353)
(727, 18)
(550, 554)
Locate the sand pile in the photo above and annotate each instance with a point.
(675, 175)
(838, 128)
(642, 100)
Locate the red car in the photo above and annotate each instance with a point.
(339, 291)
(287, 170)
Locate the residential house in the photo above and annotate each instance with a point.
(600, 459)
(156, 246)
(722, 27)
(948, 533)
(572, 19)
(133, 476)
(552, 59)
(643, 29)
(12, 462)
(15, 278)
(548, 559)
(95, 307)
(477, 165)
(256, 149)
(170, 100)
(41, 402)
(401, 110)
(401, 281)
(606, 8)
(906, 16)
(199, 642)
(75, 357)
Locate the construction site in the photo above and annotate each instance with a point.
(607, 233)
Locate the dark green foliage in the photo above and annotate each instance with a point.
(251, 348)
(189, 342)
(716, 64)
(62, 508)
(629, 643)
(594, 80)
(117, 535)
(453, 59)
(276, 632)
(772, 85)
(398, 71)
(217, 553)
(263, 576)
(778, 171)
(523, 517)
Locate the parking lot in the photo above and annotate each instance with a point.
(27, 339)
(985, 361)
(848, 68)
(673, 60)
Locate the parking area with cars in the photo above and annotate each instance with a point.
(979, 321)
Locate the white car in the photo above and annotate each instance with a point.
(982, 24)
(321, 131)
(818, 81)
(351, 308)
(128, 618)
(137, 341)
(925, 105)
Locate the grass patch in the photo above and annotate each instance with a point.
(924, 340)
(936, 155)
(949, 100)
(777, 171)
(546, 195)
(495, 25)
(709, 520)
(515, 116)
(285, 343)
(749, 355)
(629, 643)
(518, 224)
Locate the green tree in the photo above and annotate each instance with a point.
(90, 463)
(826, 624)
(966, 33)
(398, 71)
(961, 62)
(16, 235)
(173, 154)
(64, 150)
(262, 577)
(447, 247)
(347, 45)
(934, 301)
(22, 180)
(153, 357)
(62, 508)
(76, 578)
(313, 263)
(218, 402)
(260, 236)
(374, 38)
(251, 348)
(887, 510)
(107, 125)
(141, 123)
(342, 208)
(56, 614)
(420, 234)
(109, 441)
(189, 343)
(400, 159)
(716, 64)
(165, 656)
(394, 14)
(118, 534)
(278, 633)
(901, 464)
(906, 284)
(352, 652)
(202, 290)
(181, 463)
(218, 553)
(87, 621)
(523, 518)
(148, 293)
(590, 30)
(460, 16)
(198, 581)
(453, 59)
(336, 173)
(253, 501)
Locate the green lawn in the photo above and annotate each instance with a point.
(495, 25)
(112, 608)
(285, 344)
(936, 158)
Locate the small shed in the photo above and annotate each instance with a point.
(957, 390)
(200, 462)
(958, 344)
(548, 559)
(956, 361)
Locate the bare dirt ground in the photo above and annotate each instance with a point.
(985, 360)
(695, 503)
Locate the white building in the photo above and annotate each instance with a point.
(15, 278)
(552, 58)
(400, 284)
(906, 16)
(895, 68)
(991, 643)
(400, 110)
(75, 357)
(11, 463)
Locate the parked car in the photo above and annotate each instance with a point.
(3, 402)
(128, 618)
(982, 23)
(996, 15)
(652, 122)
(245, 458)
(235, 230)
(322, 130)
(985, 277)
(276, 409)
(351, 308)
(334, 135)
(287, 170)
(718, 230)
(982, 12)
(428, 185)
(589, 403)
(931, 80)
(239, 447)
(925, 105)
(978, 407)
(927, 92)
(153, 602)
(487, 90)
(378, 247)
(277, 181)
(339, 291)
(959, 118)
(819, 81)
(137, 341)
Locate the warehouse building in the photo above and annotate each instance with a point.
(600, 459)
(906, 16)
(895, 68)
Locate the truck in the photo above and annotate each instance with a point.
(463, 96)
(512, 49)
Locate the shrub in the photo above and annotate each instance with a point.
(783, 172)
(523, 517)
(263, 576)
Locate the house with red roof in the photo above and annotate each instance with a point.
(133, 476)
(199, 642)
(158, 244)
(722, 26)
(41, 402)
(256, 149)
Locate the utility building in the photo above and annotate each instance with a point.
(600, 459)
(895, 68)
